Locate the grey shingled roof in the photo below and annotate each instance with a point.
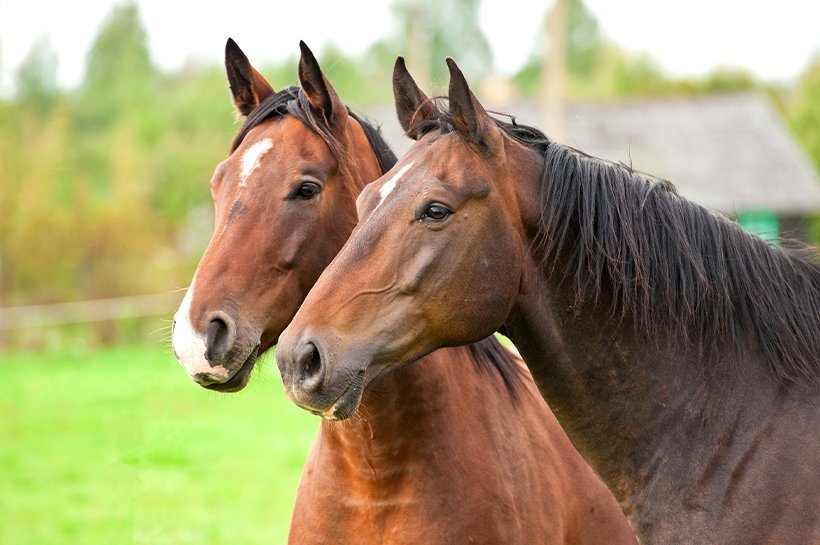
(728, 152)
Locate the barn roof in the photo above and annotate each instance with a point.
(729, 152)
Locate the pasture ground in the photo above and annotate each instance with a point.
(118, 446)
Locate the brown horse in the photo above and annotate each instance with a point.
(456, 449)
(680, 354)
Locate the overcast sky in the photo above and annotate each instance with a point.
(774, 40)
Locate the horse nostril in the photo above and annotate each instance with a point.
(313, 363)
(219, 339)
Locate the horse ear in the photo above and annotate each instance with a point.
(412, 105)
(319, 91)
(469, 116)
(249, 87)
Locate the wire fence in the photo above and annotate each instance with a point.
(98, 310)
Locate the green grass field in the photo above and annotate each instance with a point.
(119, 446)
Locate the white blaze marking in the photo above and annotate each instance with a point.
(388, 187)
(189, 345)
(250, 161)
(251, 157)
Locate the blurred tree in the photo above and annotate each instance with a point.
(585, 48)
(36, 84)
(599, 69)
(804, 112)
(585, 43)
(119, 74)
(622, 74)
(728, 79)
(197, 124)
(80, 178)
(436, 29)
(35, 231)
(803, 115)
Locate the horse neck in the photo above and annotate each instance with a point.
(415, 410)
(651, 421)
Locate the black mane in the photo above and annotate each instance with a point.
(676, 269)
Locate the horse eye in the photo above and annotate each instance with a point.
(436, 212)
(307, 191)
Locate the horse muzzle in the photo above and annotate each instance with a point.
(313, 382)
(217, 359)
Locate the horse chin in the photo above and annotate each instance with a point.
(240, 378)
(348, 402)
